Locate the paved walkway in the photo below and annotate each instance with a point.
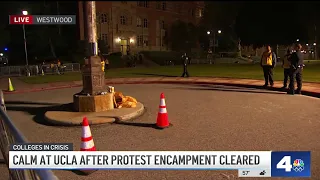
(311, 89)
(204, 117)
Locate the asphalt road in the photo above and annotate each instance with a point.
(215, 118)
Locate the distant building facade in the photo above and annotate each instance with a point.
(132, 26)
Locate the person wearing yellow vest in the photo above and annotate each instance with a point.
(268, 62)
(52, 67)
(286, 68)
(103, 64)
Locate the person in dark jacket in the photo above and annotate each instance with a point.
(286, 68)
(296, 68)
(185, 61)
(268, 62)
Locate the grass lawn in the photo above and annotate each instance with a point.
(311, 73)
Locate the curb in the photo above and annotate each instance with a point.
(94, 121)
(304, 92)
(40, 89)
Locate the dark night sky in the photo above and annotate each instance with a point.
(257, 22)
(277, 22)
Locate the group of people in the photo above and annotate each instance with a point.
(56, 67)
(292, 65)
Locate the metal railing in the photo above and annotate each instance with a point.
(35, 70)
(9, 135)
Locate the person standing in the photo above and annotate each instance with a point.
(107, 63)
(103, 64)
(185, 60)
(297, 65)
(286, 68)
(210, 56)
(268, 62)
(58, 66)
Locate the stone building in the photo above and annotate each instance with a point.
(140, 25)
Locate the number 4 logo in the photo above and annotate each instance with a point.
(285, 163)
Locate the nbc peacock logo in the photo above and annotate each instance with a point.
(298, 165)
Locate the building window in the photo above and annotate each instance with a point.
(200, 12)
(139, 22)
(104, 37)
(192, 12)
(123, 20)
(162, 24)
(103, 18)
(145, 23)
(145, 4)
(140, 40)
(158, 5)
(146, 42)
(164, 6)
(178, 7)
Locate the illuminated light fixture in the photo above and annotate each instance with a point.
(298, 40)
(118, 39)
(219, 31)
(307, 44)
(314, 44)
(131, 40)
(208, 32)
(25, 13)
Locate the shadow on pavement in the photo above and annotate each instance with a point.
(230, 89)
(79, 172)
(38, 112)
(150, 74)
(29, 102)
(136, 124)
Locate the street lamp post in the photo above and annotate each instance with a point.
(25, 40)
(315, 50)
(214, 38)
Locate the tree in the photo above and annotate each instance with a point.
(5, 36)
(219, 14)
(222, 16)
(182, 36)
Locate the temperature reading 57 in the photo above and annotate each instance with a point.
(245, 173)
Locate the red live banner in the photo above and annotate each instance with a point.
(20, 19)
(43, 19)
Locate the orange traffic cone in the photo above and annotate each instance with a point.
(162, 120)
(87, 143)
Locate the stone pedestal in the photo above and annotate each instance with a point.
(90, 98)
(97, 103)
(93, 76)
